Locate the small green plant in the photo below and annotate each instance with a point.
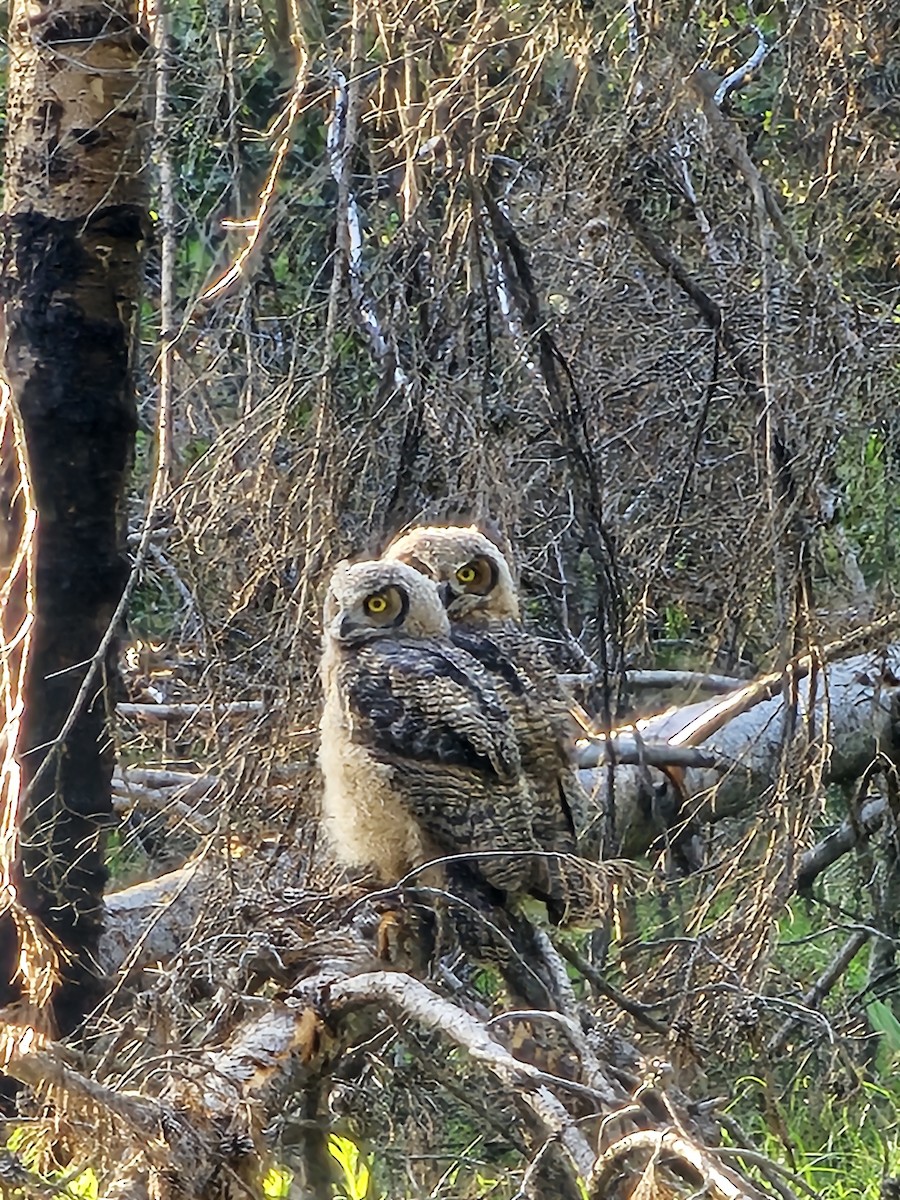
(871, 504)
(356, 1176)
(86, 1185)
(883, 1021)
(276, 1184)
(676, 621)
(155, 605)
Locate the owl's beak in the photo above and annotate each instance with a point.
(446, 594)
(346, 629)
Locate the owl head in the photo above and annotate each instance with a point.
(382, 599)
(472, 575)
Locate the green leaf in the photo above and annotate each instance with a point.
(883, 1021)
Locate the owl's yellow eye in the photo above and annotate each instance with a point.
(386, 608)
(477, 577)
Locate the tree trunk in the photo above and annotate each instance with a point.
(72, 233)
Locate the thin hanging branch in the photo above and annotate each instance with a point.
(740, 75)
(162, 149)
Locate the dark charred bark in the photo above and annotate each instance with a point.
(72, 234)
(67, 353)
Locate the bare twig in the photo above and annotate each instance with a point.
(602, 985)
(159, 25)
(187, 782)
(816, 860)
(741, 74)
(773, 1173)
(625, 746)
(175, 712)
(256, 224)
(823, 985)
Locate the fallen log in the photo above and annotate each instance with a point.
(697, 681)
(834, 716)
(726, 752)
(151, 921)
(713, 759)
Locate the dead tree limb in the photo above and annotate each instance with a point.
(658, 1148)
(406, 997)
(839, 841)
(150, 922)
(843, 712)
(823, 984)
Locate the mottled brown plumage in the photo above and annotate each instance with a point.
(476, 585)
(419, 753)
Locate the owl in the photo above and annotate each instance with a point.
(476, 585)
(421, 760)
(472, 575)
(419, 753)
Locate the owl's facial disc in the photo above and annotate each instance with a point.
(386, 608)
(468, 588)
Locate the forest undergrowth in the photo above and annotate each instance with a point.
(708, 484)
(620, 282)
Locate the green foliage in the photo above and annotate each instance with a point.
(276, 1184)
(676, 620)
(841, 1148)
(871, 503)
(155, 606)
(85, 1185)
(883, 1021)
(813, 1110)
(122, 856)
(355, 1173)
(805, 950)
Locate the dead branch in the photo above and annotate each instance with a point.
(151, 921)
(407, 998)
(175, 712)
(741, 74)
(600, 984)
(188, 784)
(823, 984)
(625, 747)
(770, 1171)
(127, 798)
(842, 711)
(700, 681)
(813, 862)
(46, 1067)
(667, 1148)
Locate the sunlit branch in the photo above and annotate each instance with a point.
(254, 225)
(736, 77)
(37, 958)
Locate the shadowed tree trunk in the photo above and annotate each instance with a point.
(72, 231)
